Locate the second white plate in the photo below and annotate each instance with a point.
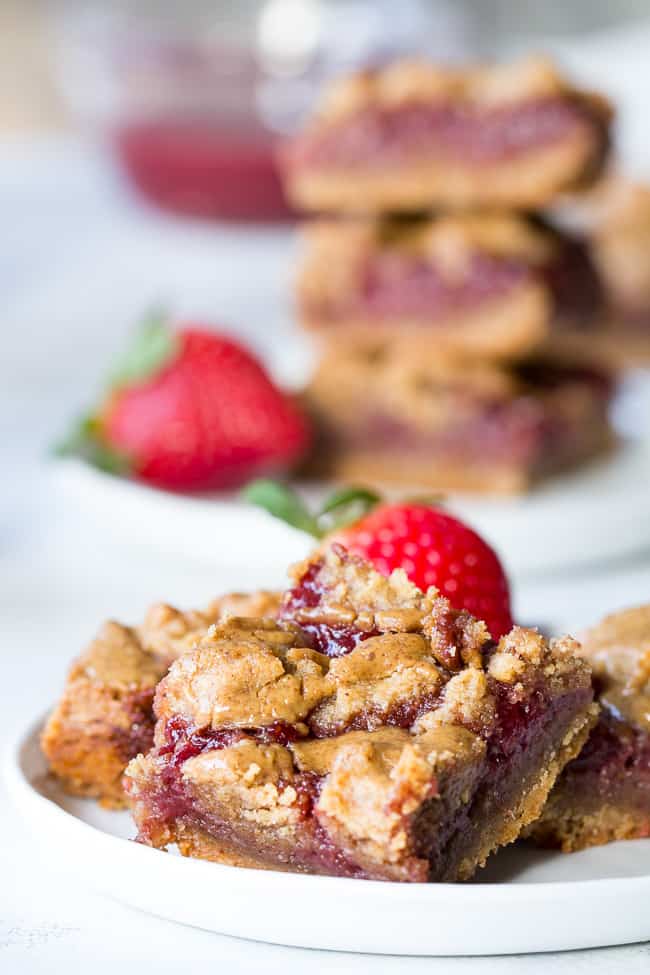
(598, 514)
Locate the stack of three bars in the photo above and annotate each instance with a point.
(457, 328)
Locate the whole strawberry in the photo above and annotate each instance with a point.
(430, 545)
(190, 409)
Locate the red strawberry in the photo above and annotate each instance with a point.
(433, 547)
(191, 409)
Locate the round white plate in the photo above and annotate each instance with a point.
(600, 513)
(527, 900)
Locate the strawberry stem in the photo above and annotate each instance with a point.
(152, 346)
(281, 502)
(341, 509)
(84, 441)
(345, 507)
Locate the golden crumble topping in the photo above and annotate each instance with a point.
(118, 659)
(246, 673)
(618, 650)
(408, 81)
(254, 778)
(447, 242)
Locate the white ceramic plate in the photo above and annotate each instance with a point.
(527, 901)
(600, 513)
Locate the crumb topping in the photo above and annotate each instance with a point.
(254, 778)
(117, 658)
(372, 786)
(618, 650)
(447, 242)
(483, 86)
(467, 701)
(170, 631)
(124, 657)
(350, 590)
(245, 673)
(422, 393)
(382, 677)
(376, 780)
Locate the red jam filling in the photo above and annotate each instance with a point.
(402, 715)
(395, 285)
(613, 749)
(535, 429)
(184, 741)
(330, 639)
(377, 137)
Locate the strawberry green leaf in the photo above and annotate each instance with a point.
(362, 497)
(345, 507)
(281, 502)
(342, 509)
(153, 345)
(83, 441)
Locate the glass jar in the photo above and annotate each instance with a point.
(196, 95)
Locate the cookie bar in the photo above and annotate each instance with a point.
(104, 717)
(416, 136)
(370, 731)
(620, 245)
(389, 416)
(604, 794)
(496, 286)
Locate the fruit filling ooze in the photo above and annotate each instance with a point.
(379, 137)
(446, 826)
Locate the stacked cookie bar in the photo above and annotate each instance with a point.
(455, 323)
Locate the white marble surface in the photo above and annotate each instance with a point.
(71, 240)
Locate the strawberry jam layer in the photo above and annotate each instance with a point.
(393, 285)
(183, 741)
(402, 715)
(380, 137)
(537, 431)
(301, 605)
(139, 736)
(616, 755)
